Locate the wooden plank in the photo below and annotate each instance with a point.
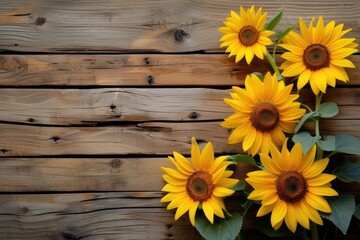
(144, 138)
(94, 106)
(97, 174)
(121, 26)
(112, 215)
(134, 70)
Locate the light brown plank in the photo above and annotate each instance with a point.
(93, 106)
(143, 138)
(113, 215)
(134, 70)
(120, 26)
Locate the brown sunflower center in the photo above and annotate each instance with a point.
(316, 56)
(265, 116)
(248, 35)
(199, 186)
(291, 186)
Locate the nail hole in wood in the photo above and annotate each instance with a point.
(31, 120)
(193, 115)
(113, 107)
(150, 79)
(3, 150)
(147, 61)
(55, 139)
(116, 163)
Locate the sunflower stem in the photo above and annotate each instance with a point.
(314, 232)
(273, 65)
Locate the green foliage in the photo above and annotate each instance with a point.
(328, 109)
(328, 144)
(239, 186)
(348, 172)
(263, 225)
(357, 211)
(222, 229)
(306, 118)
(346, 143)
(342, 209)
(242, 158)
(274, 21)
(259, 75)
(280, 36)
(306, 140)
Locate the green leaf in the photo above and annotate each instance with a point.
(306, 140)
(346, 143)
(274, 21)
(239, 186)
(342, 209)
(357, 211)
(307, 117)
(328, 109)
(348, 172)
(328, 144)
(259, 75)
(280, 36)
(222, 229)
(242, 158)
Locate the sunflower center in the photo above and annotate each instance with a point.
(316, 56)
(199, 186)
(265, 116)
(248, 35)
(291, 186)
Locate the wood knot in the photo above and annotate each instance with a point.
(179, 35)
(147, 61)
(3, 150)
(31, 120)
(40, 21)
(69, 235)
(24, 210)
(193, 115)
(150, 79)
(55, 139)
(116, 163)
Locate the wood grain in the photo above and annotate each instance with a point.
(134, 70)
(106, 105)
(123, 26)
(111, 215)
(151, 138)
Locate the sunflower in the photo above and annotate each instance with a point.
(318, 55)
(203, 182)
(292, 186)
(263, 112)
(244, 35)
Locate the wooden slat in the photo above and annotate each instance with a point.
(142, 138)
(94, 106)
(97, 174)
(55, 26)
(134, 70)
(112, 215)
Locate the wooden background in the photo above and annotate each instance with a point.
(94, 95)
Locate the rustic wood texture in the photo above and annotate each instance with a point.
(95, 94)
(134, 70)
(123, 26)
(111, 105)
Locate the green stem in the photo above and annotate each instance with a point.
(319, 151)
(314, 232)
(273, 65)
(306, 106)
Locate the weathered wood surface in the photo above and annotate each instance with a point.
(142, 138)
(106, 105)
(112, 215)
(123, 26)
(133, 70)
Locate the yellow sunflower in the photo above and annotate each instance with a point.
(263, 112)
(244, 35)
(203, 182)
(292, 187)
(318, 55)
